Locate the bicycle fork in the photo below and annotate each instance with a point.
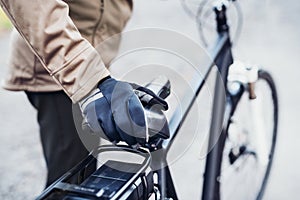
(242, 73)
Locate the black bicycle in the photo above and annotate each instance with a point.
(241, 145)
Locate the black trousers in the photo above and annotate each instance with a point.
(61, 143)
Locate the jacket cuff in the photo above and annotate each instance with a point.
(81, 74)
(82, 92)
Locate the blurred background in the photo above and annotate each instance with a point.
(268, 36)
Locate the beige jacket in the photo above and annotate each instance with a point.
(63, 58)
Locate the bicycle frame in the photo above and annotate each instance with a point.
(222, 107)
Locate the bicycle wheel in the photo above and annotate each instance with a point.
(250, 143)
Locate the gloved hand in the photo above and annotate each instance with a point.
(115, 110)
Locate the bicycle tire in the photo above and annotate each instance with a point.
(263, 77)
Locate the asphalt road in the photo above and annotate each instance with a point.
(269, 37)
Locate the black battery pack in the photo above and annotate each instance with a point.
(112, 176)
(105, 183)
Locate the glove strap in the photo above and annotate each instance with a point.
(92, 96)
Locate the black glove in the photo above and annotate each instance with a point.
(116, 110)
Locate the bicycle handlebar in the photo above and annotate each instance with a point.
(152, 97)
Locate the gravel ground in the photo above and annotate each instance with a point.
(269, 36)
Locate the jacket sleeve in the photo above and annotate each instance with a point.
(49, 31)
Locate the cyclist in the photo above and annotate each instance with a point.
(64, 67)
